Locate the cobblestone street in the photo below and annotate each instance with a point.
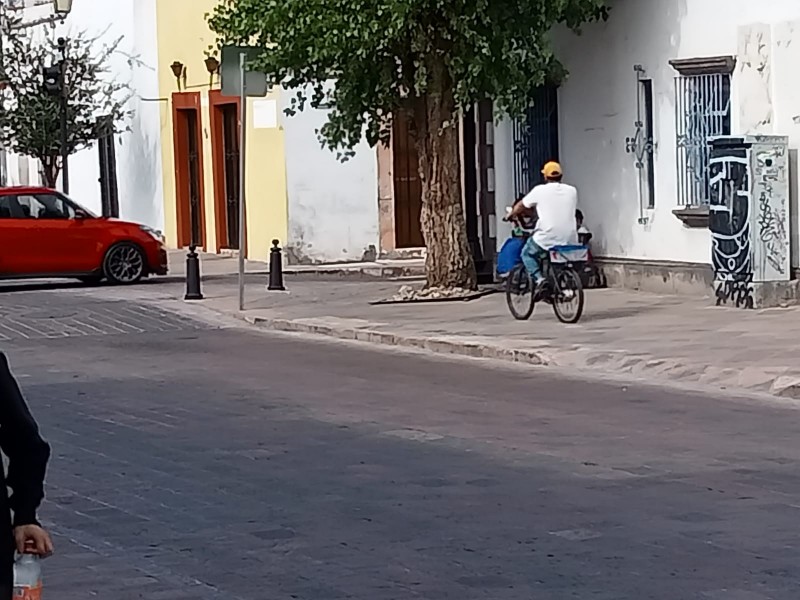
(87, 318)
(196, 459)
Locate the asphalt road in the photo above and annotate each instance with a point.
(194, 461)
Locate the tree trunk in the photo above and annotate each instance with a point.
(50, 170)
(449, 262)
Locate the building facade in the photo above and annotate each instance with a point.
(120, 175)
(332, 205)
(176, 166)
(320, 209)
(200, 143)
(646, 92)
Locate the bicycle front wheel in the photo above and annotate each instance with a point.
(520, 293)
(568, 296)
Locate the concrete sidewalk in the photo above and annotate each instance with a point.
(661, 338)
(220, 266)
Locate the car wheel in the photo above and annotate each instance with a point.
(124, 264)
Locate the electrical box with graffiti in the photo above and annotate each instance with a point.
(749, 216)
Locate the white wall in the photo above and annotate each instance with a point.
(138, 152)
(333, 206)
(597, 107)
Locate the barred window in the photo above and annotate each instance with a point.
(535, 139)
(702, 111)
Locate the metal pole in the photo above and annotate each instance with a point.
(62, 43)
(3, 152)
(242, 153)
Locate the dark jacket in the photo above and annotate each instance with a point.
(27, 455)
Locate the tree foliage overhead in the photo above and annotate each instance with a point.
(30, 122)
(382, 53)
(429, 59)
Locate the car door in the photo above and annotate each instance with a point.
(64, 245)
(15, 241)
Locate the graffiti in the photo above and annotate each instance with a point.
(736, 291)
(769, 177)
(729, 221)
(748, 216)
(772, 233)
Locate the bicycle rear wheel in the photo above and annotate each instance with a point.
(568, 296)
(520, 293)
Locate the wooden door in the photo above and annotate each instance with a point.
(189, 170)
(225, 152)
(407, 185)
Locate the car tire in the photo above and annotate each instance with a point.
(124, 264)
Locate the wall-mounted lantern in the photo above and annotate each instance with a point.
(179, 71)
(212, 66)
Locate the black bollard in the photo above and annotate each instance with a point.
(275, 269)
(193, 275)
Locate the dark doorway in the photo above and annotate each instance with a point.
(109, 191)
(230, 140)
(188, 169)
(407, 185)
(536, 139)
(486, 195)
(225, 154)
(471, 199)
(193, 157)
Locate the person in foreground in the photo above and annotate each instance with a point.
(27, 455)
(555, 204)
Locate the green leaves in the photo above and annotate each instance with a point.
(377, 51)
(30, 118)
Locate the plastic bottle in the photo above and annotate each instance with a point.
(27, 578)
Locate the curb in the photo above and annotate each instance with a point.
(431, 344)
(622, 363)
(367, 273)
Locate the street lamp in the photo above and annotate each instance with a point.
(62, 46)
(62, 7)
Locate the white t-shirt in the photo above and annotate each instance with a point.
(555, 205)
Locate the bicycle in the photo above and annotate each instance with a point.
(562, 288)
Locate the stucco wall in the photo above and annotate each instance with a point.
(333, 205)
(184, 36)
(597, 109)
(137, 151)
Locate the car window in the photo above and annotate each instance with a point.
(10, 208)
(5, 207)
(43, 206)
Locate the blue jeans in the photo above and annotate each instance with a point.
(531, 254)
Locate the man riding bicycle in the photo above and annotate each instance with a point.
(555, 204)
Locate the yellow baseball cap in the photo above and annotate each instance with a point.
(552, 169)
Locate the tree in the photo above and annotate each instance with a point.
(429, 58)
(30, 115)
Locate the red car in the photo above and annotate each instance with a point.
(45, 234)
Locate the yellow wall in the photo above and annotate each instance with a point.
(184, 36)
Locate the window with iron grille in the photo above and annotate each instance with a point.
(535, 139)
(702, 111)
